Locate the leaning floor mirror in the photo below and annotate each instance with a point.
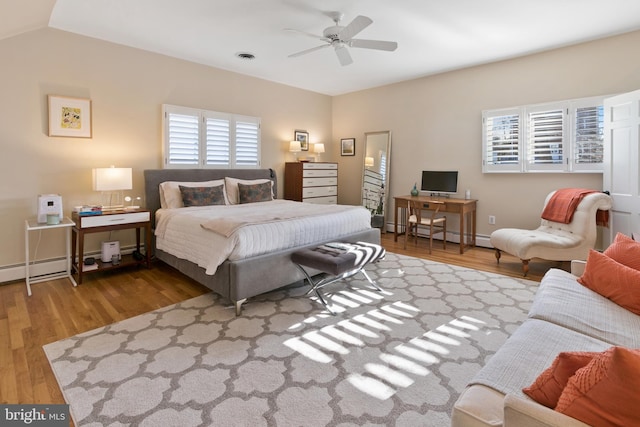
(375, 176)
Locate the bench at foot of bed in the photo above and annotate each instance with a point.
(339, 261)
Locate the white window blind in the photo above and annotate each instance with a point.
(588, 138)
(218, 139)
(247, 141)
(209, 139)
(545, 136)
(501, 138)
(589, 135)
(565, 136)
(184, 139)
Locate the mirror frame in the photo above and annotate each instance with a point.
(387, 151)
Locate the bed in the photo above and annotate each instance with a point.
(240, 277)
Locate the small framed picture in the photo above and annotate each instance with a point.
(348, 147)
(303, 137)
(69, 117)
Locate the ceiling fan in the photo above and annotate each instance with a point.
(340, 38)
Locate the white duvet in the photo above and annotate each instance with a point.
(180, 232)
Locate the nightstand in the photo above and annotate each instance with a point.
(110, 221)
(33, 225)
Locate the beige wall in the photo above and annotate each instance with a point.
(127, 88)
(436, 123)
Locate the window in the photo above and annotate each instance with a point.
(195, 138)
(562, 136)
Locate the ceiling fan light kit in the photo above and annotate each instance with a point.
(341, 38)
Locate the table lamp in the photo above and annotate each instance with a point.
(111, 182)
(295, 147)
(368, 162)
(318, 148)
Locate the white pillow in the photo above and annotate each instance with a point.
(171, 198)
(231, 185)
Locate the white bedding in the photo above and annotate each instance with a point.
(179, 231)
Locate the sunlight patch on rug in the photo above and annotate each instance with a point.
(403, 354)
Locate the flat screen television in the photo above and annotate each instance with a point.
(444, 182)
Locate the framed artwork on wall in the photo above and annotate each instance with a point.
(303, 137)
(70, 117)
(348, 147)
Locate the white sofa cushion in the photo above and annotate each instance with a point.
(529, 351)
(562, 300)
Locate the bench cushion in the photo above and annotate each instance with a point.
(338, 258)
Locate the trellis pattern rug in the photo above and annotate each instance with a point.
(398, 357)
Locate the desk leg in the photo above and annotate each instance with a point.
(395, 223)
(473, 228)
(462, 230)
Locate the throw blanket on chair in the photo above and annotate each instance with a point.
(564, 202)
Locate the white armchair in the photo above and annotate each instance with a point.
(554, 241)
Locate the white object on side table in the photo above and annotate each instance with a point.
(33, 225)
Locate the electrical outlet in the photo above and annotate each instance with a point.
(492, 219)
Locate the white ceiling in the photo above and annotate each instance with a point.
(433, 35)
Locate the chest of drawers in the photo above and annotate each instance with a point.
(311, 182)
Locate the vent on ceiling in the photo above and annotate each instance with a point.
(246, 56)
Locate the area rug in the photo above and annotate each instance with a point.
(398, 357)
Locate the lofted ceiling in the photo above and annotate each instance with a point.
(433, 36)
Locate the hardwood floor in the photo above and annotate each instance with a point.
(57, 310)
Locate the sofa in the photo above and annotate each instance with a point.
(564, 316)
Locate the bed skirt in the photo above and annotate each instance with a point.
(242, 279)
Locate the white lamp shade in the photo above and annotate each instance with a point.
(112, 179)
(295, 146)
(368, 162)
(318, 148)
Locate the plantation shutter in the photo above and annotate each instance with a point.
(545, 132)
(247, 142)
(209, 139)
(183, 139)
(565, 136)
(588, 136)
(217, 142)
(501, 137)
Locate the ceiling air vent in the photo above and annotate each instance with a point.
(246, 56)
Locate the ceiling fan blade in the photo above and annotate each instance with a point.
(374, 44)
(343, 55)
(358, 24)
(304, 52)
(315, 36)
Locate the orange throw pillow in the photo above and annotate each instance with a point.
(619, 283)
(624, 250)
(605, 392)
(547, 388)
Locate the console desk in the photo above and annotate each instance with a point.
(465, 208)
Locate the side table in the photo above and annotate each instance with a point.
(138, 219)
(33, 225)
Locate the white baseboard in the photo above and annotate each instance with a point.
(17, 272)
(482, 240)
(40, 268)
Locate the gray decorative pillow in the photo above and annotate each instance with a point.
(202, 196)
(254, 192)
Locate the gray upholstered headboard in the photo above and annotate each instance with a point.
(153, 178)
